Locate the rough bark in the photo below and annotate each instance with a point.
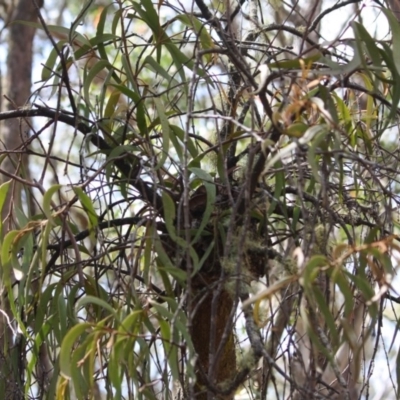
(17, 87)
(204, 325)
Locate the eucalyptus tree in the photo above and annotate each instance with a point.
(215, 190)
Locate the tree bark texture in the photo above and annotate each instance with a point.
(13, 134)
(204, 325)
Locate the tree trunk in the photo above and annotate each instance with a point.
(13, 136)
(203, 326)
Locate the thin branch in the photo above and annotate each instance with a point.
(127, 169)
(318, 19)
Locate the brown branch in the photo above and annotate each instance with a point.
(84, 234)
(126, 168)
(318, 19)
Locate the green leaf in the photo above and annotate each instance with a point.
(180, 59)
(45, 299)
(112, 103)
(164, 262)
(129, 73)
(279, 185)
(169, 213)
(61, 31)
(179, 274)
(90, 211)
(97, 301)
(294, 64)
(67, 346)
(311, 154)
(150, 16)
(164, 132)
(363, 36)
(131, 323)
(100, 37)
(140, 114)
(171, 350)
(390, 60)
(343, 69)
(312, 269)
(94, 71)
(362, 284)
(48, 67)
(312, 334)
(44, 243)
(190, 144)
(330, 105)
(114, 371)
(202, 32)
(47, 200)
(3, 196)
(398, 374)
(8, 247)
(395, 28)
(204, 257)
(169, 218)
(62, 315)
(157, 68)
(211, 191)
(328, 318)
(307, 138)
(339, 279)
(78, 380)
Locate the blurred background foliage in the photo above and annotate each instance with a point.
(181, 223)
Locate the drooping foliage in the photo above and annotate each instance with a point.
(199, 231)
